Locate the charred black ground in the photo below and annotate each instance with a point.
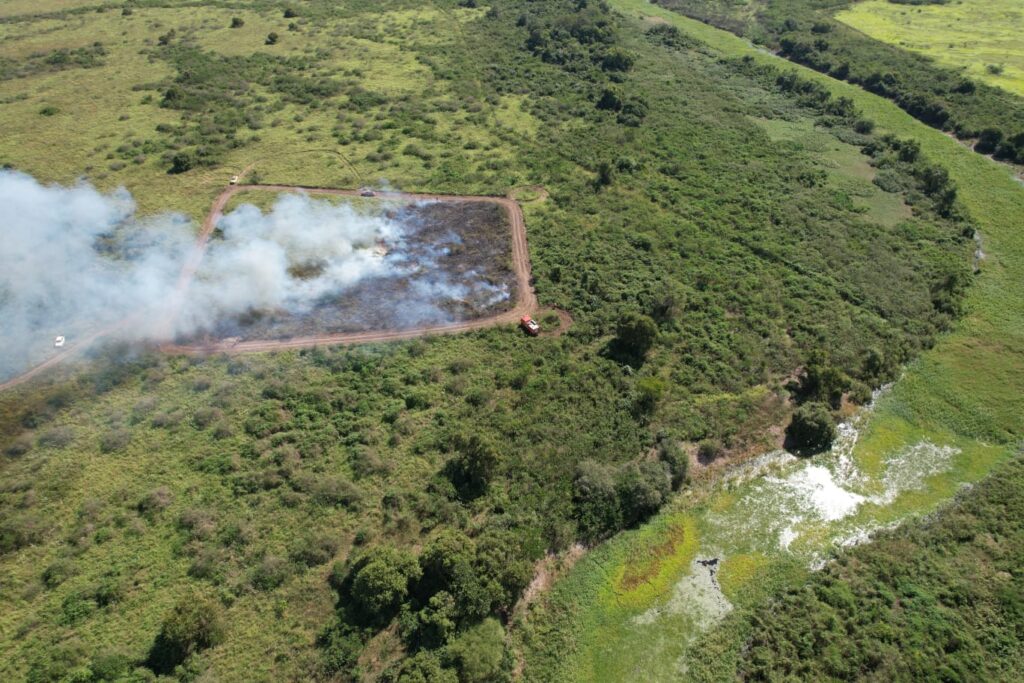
(451, 263)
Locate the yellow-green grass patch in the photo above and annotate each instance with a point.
(738, 571)
(981, 36)
(19, 8)
(654, 562)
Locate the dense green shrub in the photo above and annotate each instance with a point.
(479, 653)
(271, 572)
(474, 465)
(423, 667)
(677, 460)
(812, 429)
(635, 334)
(642, 488)
(339, 646)
(377, 582)
(596, 500)
(316, 549)
(195, 623)
(116, 439)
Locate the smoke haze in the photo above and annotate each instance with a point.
(55, 278)
(258, 262)
(74, 261)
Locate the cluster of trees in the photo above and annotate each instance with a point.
(195, 623)
(447, 603)
(804, 31)
(931, 180)
(607, 498)
(215, 95)
(581, 37)
(87, 57)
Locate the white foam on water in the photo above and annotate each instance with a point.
(819, 493)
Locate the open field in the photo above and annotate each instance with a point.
(980, 36)
(115, 119)
(964, 396)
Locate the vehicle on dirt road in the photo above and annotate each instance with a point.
(58, 342)
(529, 325)
(234, 180)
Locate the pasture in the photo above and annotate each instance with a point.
(982, 37)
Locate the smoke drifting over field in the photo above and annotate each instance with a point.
(288, 259)
(74, 260)
(54, 275)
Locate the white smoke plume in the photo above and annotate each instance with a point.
(55, 278)
(74, 261)
(255, 265)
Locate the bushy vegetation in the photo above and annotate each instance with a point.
(55, 60)
(389, 503)
(805, 32)
(195, 623)
(216, 96)
(938, 598)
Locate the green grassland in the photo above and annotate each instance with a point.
(106, 116)
(966, 34)
(741, 230)
(937, 85)
(964, 393)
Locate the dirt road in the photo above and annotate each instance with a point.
(526, 303)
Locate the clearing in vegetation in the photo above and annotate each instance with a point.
(982, 37)
(436, 263)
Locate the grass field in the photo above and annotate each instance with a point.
(965, 395)
(113, 119)
(980, 36)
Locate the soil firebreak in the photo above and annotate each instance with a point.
(526, 300)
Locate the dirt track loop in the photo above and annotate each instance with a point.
(526, 303)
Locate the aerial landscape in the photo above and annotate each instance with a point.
(522, 340)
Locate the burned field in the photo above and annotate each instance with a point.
(379, 265)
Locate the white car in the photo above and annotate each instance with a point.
(234, 180)
(58, 342)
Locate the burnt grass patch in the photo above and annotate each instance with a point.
(450, 262)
